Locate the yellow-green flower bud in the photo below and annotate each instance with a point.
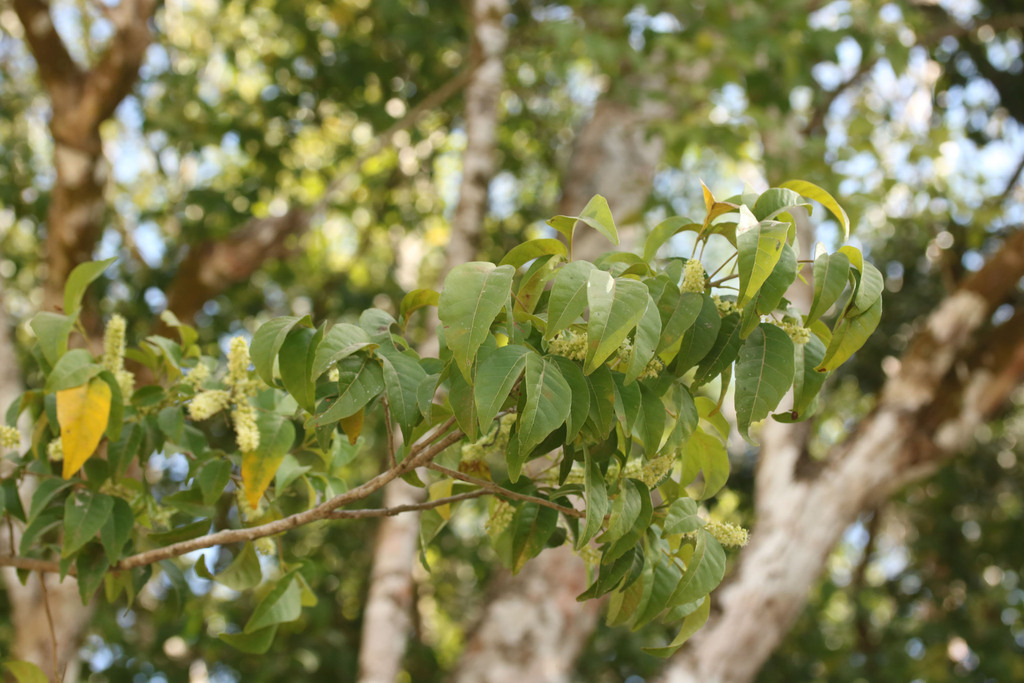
(55, 450)
(10, 437)
(693, 276)
(501, 516)
(206, 404)
(247, 434)
(729, 535)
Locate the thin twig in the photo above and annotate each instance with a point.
(410, 507)
(493, 488)
(389, 433)
(49, 622)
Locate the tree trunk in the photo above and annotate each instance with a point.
(81, 100)
(957, 372)
(387, 620)
(533, 629)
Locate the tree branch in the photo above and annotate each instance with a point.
(496, 490)
(410, 507)
(56, 67)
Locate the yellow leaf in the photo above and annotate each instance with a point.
(442, 489)
(353, 425)
(82, 413)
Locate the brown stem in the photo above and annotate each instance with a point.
(496, 490)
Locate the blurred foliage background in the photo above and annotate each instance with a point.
(909, 111)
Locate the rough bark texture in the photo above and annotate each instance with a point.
(533, 630)
(387, 620)
(956, 373)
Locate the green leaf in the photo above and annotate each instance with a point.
(849, 335)
(402, 378)
(115, 419)
(78, 280)
(681, 518)
(693, 623)
(255, 643)
(75, 368)
(616, 307)
(663, 583)
(532, 285)
(377, 324)
(52, 331)
(580, 407)
(277, 434)
(44, 493)
(244, 571)
(869, 289)
(415, 300)
(85, 513)
(532, 249)
(639, 523)
(699, 338)
(547, 406)
(808, 380)
(664, 231)
(117, 529)
(361, 380)
(37, 527)
(625, 602)
(473, 295)
(704, 571)
(602, 399)
(267, 342)
(703, 452)
(645, 341)
(460, 396)
(775, 201)
(760, 247)
(612, 573)
(213, 478)
(597, 215)
(774, 288)
(282, 604)
(25, 672)
(628, 405)
(596, 496)
(295, 361)
(652, 421)
(830, 275)
(495, 376)
(812, 191)
(91, 566)
(568, 297)
(178, 534)
(764, 372)
(526, 535)
(341, 341)
(679, 311)
(723, 353)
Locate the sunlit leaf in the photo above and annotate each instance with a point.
(568, 297)
(495, 377)
(473, 295)
(82, 413)
(85, 513)
(616, 307)
(812, 191)
(548, 400)
(830, 275)
(849, 335)
(78, 280)
(760, 247)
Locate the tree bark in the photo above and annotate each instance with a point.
(387, 619)
(957, 372)
(81, 100)
(533, 629)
